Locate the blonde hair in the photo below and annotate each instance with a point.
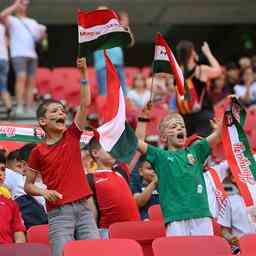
(165, 121)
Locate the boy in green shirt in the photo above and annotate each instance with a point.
(183, 196)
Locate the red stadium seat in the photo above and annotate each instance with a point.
(155, 213)
(247, 245)
(191, 245)
(130, 72)
(112, 247)
(25, 249)
(10, 145)
(43, 81)
(38, 234)
(144, 232)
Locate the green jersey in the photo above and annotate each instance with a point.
(182, 188)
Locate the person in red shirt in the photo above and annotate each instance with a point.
(58, 160)
(11, 224)
(112, 194)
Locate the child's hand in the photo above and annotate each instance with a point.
(81, 65)
(52, 195)
(145, 113)
(206, 49)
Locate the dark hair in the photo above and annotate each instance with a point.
(184, 50)
(93, 145)
(2, 159)
(25, 151)
(13, 155)
(42, 108)
(231, 65)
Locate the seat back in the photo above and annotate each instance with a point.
(25, 249)
(191, 245)
(112, 247)
(155, 213)
(247, 244)
(38, 234)
(144, 232)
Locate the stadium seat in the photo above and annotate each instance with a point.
(146, 71)
(155, 213)
(112, 247)
(38, 234)
(144, 232)
(192, 246)
(130, 72)
(25, 249)
(10, 145)
(247, 245)
(43, 81)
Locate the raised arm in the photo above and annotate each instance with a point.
(212, 71)
(10, 9)
(85, 95)
(214, 138)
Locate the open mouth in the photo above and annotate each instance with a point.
(180, 136)
(60, 121)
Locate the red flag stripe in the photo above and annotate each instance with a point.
(89, 19)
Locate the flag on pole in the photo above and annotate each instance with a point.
(100, 29)
(238, 152)
(164, 61)
(115, 135)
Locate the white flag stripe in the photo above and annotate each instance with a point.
(160, 53)
(92, 33)
(111, 131)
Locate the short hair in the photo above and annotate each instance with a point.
(184, 50)
(94, 144)
(231, 66)
(26, 150)
(42, 108)
(165, 121)
(13, 155)
(2, 159)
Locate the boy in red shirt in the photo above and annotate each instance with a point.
(11, 224)
(112, 194)
(58, 160)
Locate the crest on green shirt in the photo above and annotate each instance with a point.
(191, 159)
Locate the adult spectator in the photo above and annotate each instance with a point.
(24, 34)
(246, 91)
(232, 76)
(4, 68)
(139, 94)
(117, 58)
(11, 224)
(198, 119)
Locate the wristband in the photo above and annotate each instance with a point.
(84, 82)
(143, 119)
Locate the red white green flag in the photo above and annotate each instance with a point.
(238, 152)
(164, 61)
(100, 29)
(115, 135)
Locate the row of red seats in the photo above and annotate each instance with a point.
(63, 83)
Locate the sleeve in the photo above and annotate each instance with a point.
(202, 150)
(74, 131)
(152, 154)
(224, 218)
(17, 223)
(239, 91)
(34, 160)
(9, 181)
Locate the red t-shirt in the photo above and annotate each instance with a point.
(61, 167)
(115, 199)
(10, 220)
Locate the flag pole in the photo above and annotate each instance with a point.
(151, 89)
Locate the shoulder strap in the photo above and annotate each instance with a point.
(91, 182)
(27, 28)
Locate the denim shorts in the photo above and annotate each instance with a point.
(24, 65)
(4, 69)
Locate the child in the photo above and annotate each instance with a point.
(11, 224)
(183, 196)
(58, 160)
(144, 188)
(112, 193)
(234, 220)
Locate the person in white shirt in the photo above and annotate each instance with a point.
(32, 208)
(4, 69)
(246, 91)
(24, 33)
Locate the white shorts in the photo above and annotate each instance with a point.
(193, 227)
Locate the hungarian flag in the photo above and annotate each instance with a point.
(164, 61)
(238, 152)
(115, 135)
(100, 29)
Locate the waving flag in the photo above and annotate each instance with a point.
(164, 61)
(100, 29)
(238, 152)
(115, 135)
